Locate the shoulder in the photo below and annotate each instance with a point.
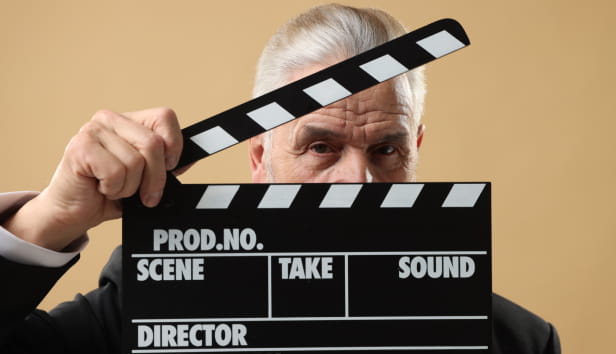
(517, 330)
(112, 272)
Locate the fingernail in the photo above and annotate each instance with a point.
(152, 199)
(171, 161)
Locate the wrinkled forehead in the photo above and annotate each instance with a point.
(384, 106)
(391, 94)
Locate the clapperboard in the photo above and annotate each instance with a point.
(349, 267)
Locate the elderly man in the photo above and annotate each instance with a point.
(371, 136)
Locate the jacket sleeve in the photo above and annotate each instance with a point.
(89, 323)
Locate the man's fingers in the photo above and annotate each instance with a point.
(164, 123)
(154, 174)
(89, 158)
(150, 145)
(132, 160)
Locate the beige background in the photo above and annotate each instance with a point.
(529, 106)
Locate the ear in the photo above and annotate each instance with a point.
(256, 152)
(420, 134)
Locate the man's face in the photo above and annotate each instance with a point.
(368, 137)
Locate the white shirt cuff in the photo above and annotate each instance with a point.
(17, 250)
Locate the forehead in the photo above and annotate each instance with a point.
(393, 92)
(383, 109)
(385, 106)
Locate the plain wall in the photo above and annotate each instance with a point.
(528, 106)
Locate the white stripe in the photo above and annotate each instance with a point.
(384, 68)
(340, 196)
(269, 287)
(279, 196)
(304, 349)
(217, 196)
(463, 195)
(283, 254)
(402, 196)
(346, 286)
(292, 319)
(327, 91)
(270, 116)
(440, 44)
(214, 140)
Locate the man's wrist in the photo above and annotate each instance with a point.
(35, 223)
(16, 249)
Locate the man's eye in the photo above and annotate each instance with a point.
(385, 150)
(321, 148)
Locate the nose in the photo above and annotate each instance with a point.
(352, 167)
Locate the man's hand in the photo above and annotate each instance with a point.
(112, 157)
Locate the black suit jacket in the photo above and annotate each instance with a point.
(92, 323)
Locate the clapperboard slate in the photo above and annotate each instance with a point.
(371, 267)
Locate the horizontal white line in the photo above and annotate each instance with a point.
(277, 254)
(290, 319)
(200, 350)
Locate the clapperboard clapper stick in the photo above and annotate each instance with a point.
(400, 267)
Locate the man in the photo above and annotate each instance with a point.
(372, 136)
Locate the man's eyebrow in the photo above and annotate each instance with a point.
(312, 132)
(397, 137)
(317, 133)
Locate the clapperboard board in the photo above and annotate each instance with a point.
(221, 268)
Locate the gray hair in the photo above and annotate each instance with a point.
(325, 33)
